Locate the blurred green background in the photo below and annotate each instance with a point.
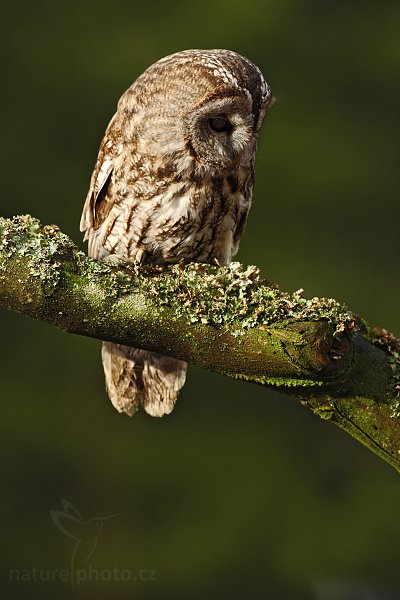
(240, 492)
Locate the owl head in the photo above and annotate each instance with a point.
(200, 110)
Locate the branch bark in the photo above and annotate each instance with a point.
(226, 319)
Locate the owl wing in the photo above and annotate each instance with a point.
(133, 377)
(100, 199)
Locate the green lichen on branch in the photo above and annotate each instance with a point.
(230, 296)
(25, 236)
(234, 295)
(226, 319)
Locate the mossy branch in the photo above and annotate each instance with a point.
(226, 319)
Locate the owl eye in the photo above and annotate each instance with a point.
(219, 124)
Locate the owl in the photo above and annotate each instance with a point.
(173, 180)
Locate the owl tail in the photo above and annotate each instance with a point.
(137, 377)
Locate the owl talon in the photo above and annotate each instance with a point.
(139, 257)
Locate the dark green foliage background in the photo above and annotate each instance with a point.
(241, 492)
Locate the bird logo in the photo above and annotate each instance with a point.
(85, 532)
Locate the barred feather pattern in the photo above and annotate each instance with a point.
(174, 180)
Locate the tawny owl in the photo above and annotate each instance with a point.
(174, 179)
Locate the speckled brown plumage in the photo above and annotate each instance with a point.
(174, 179)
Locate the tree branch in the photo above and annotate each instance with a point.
(226, 319)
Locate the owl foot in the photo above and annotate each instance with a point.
(123, 262)
(118, 261)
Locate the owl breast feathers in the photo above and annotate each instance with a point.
(174, 179)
